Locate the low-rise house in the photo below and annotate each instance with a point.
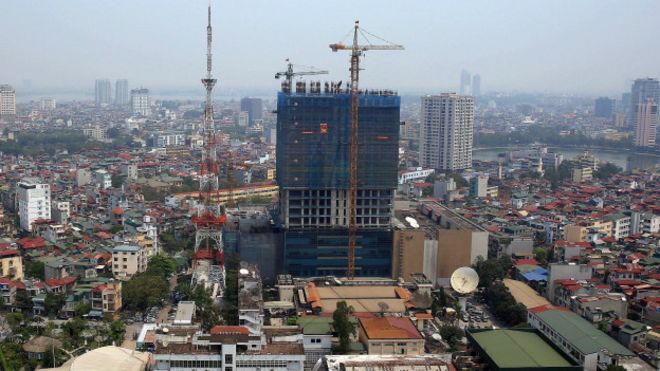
(390, 335)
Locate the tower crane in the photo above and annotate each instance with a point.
(356, 51)
(289, 74)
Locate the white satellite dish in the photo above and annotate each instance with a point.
(243, 271)
(464, 280)
(436, 336)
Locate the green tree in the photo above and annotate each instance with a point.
(34, 269)
(541, 255)
(343, 326)
(72, 332)
(452, 335)
(53, 303)
(117, 331)
(82, 309)
(615, 368)
(230, 302)
(117, 180)
(14, 320)
(459, 180)
(161, 265)
(12, 356)
(23, 301)
(143, 291)
(490, 270)
(113, 132)
(607, 171)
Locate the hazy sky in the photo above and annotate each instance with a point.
(572, 46)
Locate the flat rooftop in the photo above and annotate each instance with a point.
(522, 349)
(361, 298)
(524, 294)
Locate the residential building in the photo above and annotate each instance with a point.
(582, 174)
(644, 222)
(604, 107)
(564, 271)
(102, 92)
(141, 102)
(642, 90)
(11, 264)
(446, 131)
(102, 179)
(575, 336)
(7, 101)
(121, 92)
(128, 260)
(465, 83)
(390, 335)
(95, 132)
(476, 85)
(620, 225)
(33, 202)
(313, 142)
(479, 186)
(243, 119)
(106, 297)
(83, 177)
(646, 123)
(376, 362)
(167, 139)
(47, 104)
(254, 108)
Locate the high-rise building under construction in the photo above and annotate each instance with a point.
(313, 142)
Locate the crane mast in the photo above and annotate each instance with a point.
(356, 51)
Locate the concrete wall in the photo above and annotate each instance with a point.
(407, 253)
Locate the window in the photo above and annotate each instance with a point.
(229, 358)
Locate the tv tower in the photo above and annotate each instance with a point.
(209, 218)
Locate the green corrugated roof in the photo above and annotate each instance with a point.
(581, 334)
(519, 349)
(315, 325)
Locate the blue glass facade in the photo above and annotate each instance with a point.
(311, 253)
(313, 144)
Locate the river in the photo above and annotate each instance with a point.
(621, 158)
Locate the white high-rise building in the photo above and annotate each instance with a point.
(121, 92)
(446, 130)
(47, 104)
(33, 201)
(141, 102)
(103, 92)
(7, 100)
(646, 124)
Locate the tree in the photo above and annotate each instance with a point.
(34, 269)
(459, 180)
(23, 301)
(53, 303)
(452, 335)
(491, 269)
(117, 331)
(606, 171)
(161, 265)
(615, 368)
(72, 332)
(541, 255)
(113, 132)
(143, 291)
(82, 309)
(230, 303)
(14, 320)
(343, 326)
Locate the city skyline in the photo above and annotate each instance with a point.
(514, 47)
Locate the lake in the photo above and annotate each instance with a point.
(620, 158)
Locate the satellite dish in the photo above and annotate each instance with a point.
(464, 280)
(436, 337)
(243, 271)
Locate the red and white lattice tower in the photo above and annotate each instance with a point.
(209, 218)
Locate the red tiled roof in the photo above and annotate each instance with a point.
(9, 252)
(389, 328)
(547, 307)
(229, 330)
(61, 281)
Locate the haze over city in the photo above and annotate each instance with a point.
(587, 47)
